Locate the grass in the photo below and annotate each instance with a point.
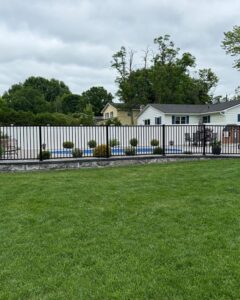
(145, 232)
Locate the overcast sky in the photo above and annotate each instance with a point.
(73, 40)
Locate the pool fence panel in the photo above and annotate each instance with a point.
(31, 142)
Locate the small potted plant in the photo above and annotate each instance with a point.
(216, 147)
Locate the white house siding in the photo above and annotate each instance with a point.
(231, 115)
(217, 119)
(150, 114)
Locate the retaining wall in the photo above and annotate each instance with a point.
(21, 166)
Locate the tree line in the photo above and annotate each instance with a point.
(165, 75)
(42, 101)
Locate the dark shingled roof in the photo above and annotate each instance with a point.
(195, 108)
(124, 106)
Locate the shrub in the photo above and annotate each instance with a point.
(1, 152)
(68, 145)
(133, 142)
(130, 151)
(92, 144)
(101, 151)
(158, 150)
(113, 142)
(45, 155)
(77, 153)
(113, 121)
(154, 142)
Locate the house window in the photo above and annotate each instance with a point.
(238, 117)
(158, 121)
(147, 122)
(180, 119)
(106, 115)
(206, 119)
(111, 114)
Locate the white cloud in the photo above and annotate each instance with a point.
(74, 40)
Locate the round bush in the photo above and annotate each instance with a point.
(68, 145)
(77, 153)
(92, 144)
(101, 151)
(133, 142)
(45, 155)
(113, 142)
(158, 150)
(154, 143)
(130, 151)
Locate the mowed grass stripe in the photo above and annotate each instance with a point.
(167, 231)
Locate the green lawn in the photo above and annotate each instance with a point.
(167, 231)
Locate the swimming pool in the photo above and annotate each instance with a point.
(116, 151)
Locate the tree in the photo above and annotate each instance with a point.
(71, 103)
(166, 80)
(98, 97)
(2, 103)
(50, 89)
(27, 99)
(87, 116)
(231, 44)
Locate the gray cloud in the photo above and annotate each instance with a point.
(74, 40)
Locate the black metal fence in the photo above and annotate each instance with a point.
(45, 142)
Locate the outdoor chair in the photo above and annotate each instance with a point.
(10, 148)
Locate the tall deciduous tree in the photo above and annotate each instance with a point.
(71, 103)
(231, 44)
(28, 99)
(166, 79)
(98, 97)
(51, 89)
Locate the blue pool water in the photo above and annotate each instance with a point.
(116, 151)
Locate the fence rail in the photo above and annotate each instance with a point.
(44, 142)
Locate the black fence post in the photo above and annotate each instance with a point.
(40, 143)
(204, 139)
(163, 139)
(107, 142)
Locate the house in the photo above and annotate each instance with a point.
(121, 112)
(220, 113)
